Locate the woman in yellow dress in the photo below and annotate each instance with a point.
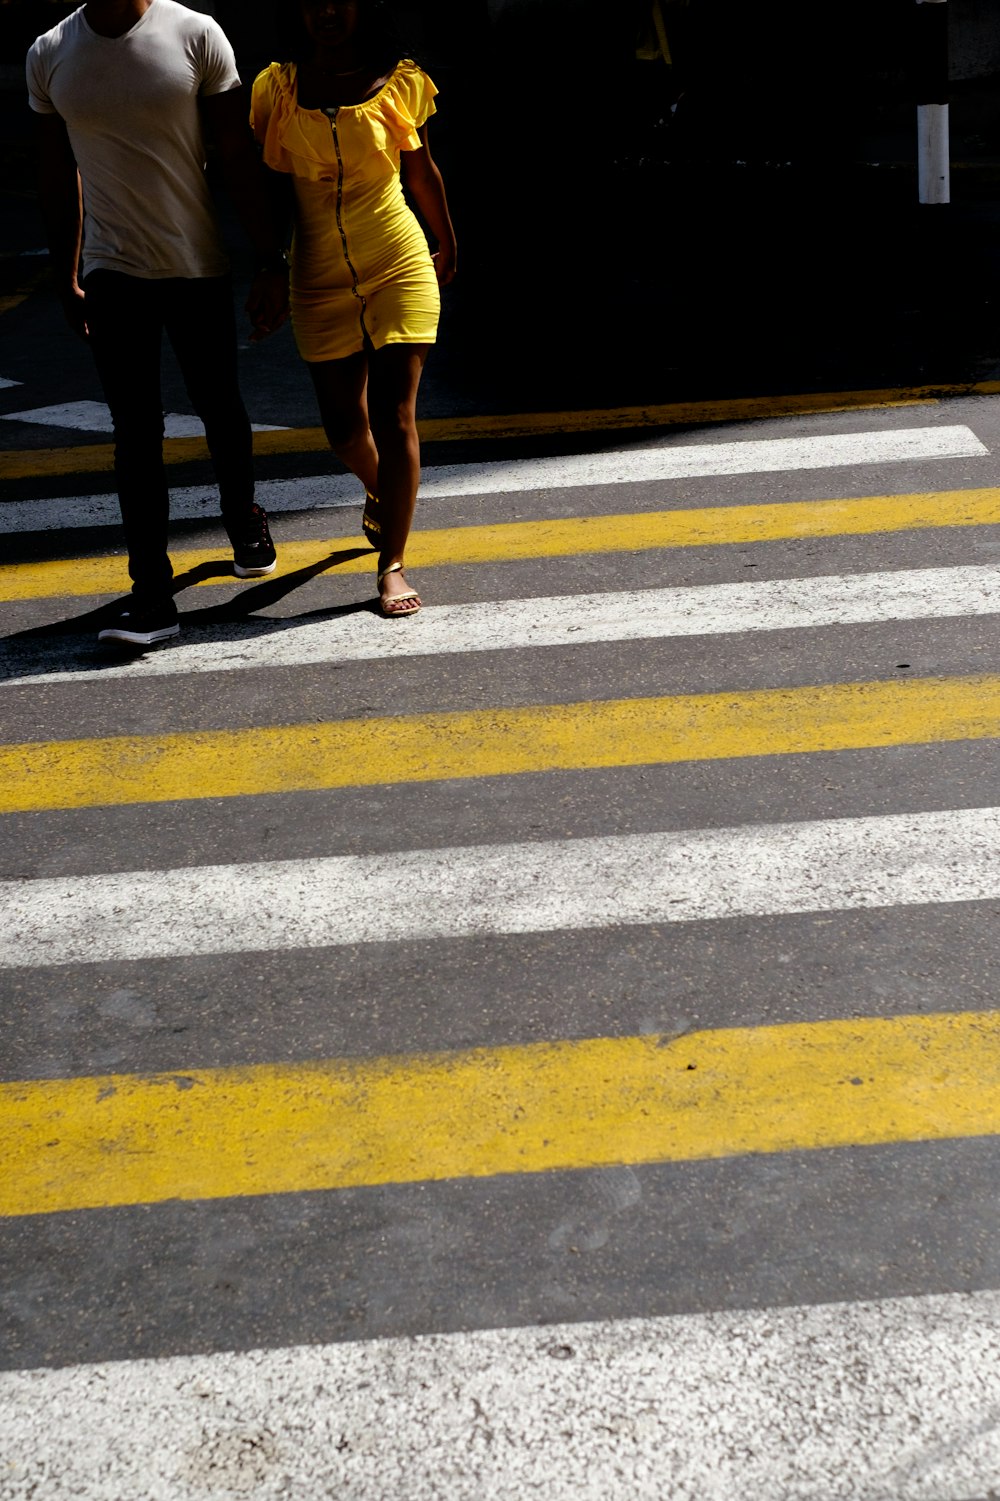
(345, 117)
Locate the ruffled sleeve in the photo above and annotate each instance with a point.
(373, 133)
(262, 103)
(407, 103)
(293, 140)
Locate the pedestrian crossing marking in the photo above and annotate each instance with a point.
(888, 1399)
(543, 886)
(522, 541)
(264, 1128)
(526, 624)
(88, 1143)
(93, 459)
(95, 417)
(373, 751)
(640, 464)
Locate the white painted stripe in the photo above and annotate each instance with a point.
(513, 476)
(894, 1400)
(94, 417)
(506, 625)
(834, 864)
(187, 503)
(755, 456)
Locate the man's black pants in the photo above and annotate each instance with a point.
(127, 317)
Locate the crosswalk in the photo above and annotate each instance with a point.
(478, 1416)
(95, 417)
(560, 1031)
(567, 620)
(272, 1129)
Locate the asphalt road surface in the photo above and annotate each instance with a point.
(549, 1046)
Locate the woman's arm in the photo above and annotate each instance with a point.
(425, 185)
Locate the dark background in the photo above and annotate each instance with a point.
(745, 219)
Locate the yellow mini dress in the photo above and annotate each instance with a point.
(361, 269)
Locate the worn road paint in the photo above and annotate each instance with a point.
(889, 1400)
(522, 624)
(89, 1143)
(181, 766)
(99, 459)
(318, 492)
(835, 864)
(518, 476)
(511, 476)
(95, 417)
(519, 541)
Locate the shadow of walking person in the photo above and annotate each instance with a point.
(56, 647)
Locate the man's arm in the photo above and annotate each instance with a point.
(225, 116)
(61, 202)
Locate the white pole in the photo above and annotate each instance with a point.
(933, 158)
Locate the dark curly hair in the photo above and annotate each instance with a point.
(380, 37)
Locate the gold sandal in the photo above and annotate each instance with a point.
(369, 523)
(396, 599)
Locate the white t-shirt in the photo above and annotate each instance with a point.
(130, 104)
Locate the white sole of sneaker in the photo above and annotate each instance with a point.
(138, 638)
(253, 573)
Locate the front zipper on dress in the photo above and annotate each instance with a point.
(331, 115)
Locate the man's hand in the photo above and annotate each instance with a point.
(74, 305)
(267, 304)
(225, 117)
(61, 202)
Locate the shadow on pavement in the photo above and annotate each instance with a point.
(62, 634)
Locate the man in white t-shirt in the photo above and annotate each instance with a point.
(123, 89)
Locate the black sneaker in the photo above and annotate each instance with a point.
(253, 550)
(143, 625)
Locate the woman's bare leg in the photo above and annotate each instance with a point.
(393, 378)
(343, 407)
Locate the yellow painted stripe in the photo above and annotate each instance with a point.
(520, 541)
(495, 742)
(98, 458)
(285, 1128)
